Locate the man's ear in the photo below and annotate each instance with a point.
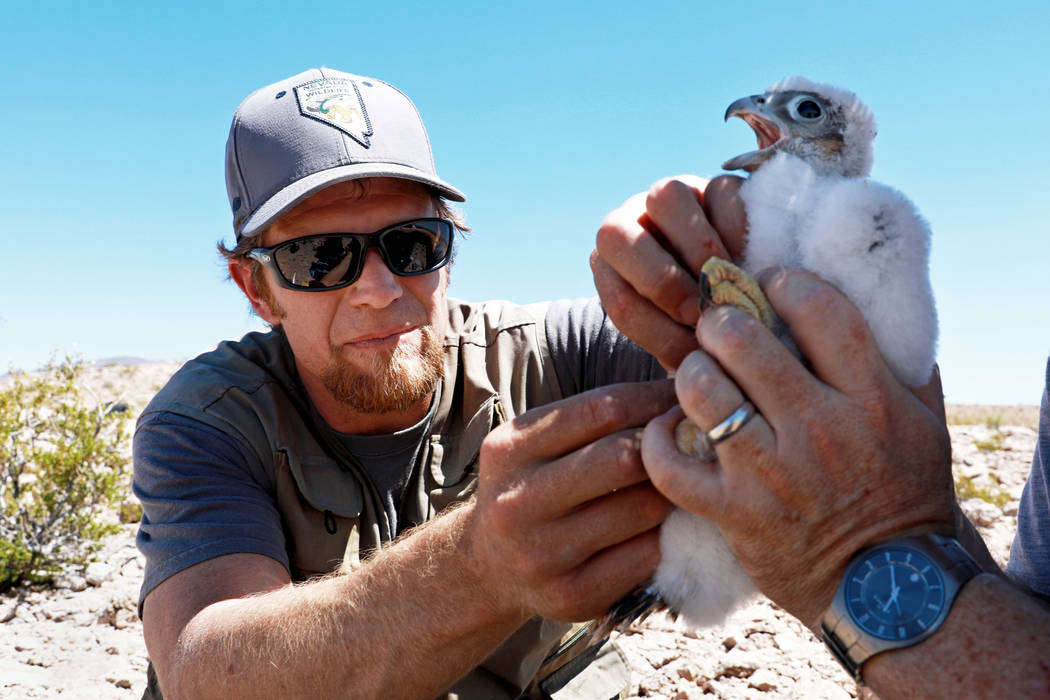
(241, 273)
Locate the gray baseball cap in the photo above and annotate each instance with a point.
(302, 134)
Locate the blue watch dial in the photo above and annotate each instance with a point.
(894, 593)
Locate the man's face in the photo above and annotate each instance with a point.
(375, 348)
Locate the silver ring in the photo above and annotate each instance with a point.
(723, 431)
(736, 420)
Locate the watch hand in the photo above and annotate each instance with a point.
(894, 592)
(892, 599)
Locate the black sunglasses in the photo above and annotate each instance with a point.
(335, 260)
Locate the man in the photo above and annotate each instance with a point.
(376, 410)
(837, 459)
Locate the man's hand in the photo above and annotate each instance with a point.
(565, 521)
(649, 253)
(837, 458)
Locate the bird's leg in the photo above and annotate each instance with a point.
(722, 282)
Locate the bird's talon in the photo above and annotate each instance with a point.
(690, 440)
(706, 299)
(722, 282)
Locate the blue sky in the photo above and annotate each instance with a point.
(547, 115)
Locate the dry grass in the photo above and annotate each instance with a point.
(993, 416)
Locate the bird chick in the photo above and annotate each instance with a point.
(809, 204)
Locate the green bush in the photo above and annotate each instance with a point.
(992, 444)
(966, 488)
(994, 421)
(64, 470)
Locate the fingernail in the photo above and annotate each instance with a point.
(730, 314)
(721, 316)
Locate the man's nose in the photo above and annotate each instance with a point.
(377, 286)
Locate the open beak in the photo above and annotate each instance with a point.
(767, 129)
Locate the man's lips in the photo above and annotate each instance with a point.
(386, 336)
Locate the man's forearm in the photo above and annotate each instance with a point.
(407, 624)
(993, 644)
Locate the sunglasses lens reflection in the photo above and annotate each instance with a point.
(326, 261)
(415, 249)
(318, 262)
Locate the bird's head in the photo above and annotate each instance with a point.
(828, 127)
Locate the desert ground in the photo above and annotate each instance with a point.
(81, 637)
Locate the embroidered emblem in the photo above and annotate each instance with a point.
(337, 102)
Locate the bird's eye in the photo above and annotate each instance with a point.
(809, 109)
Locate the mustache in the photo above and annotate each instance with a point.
(398, 379)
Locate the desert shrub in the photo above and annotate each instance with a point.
(992, 444)
(994, 421)
(130, 512)
(966, 488)
(64, 470)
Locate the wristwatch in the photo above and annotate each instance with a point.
(894, 595)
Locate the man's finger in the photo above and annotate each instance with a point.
(704, 391)
(760, 364)
(606, 522)
(684, 480)
(710, 398)
(829, 330)
(725, 210)
(593, 587)
(673, 205)
(641, 320)
(638, 256)
(558, 428)
(605, 465)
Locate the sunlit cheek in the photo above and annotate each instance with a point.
(307, 324)
(432, 292)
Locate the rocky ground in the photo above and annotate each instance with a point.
(81, 637)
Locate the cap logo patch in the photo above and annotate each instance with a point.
(336, 102)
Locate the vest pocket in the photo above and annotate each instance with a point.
(316, 536)
(451, 469)
(442, 495)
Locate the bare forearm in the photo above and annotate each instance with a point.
(407, 624)
(993, 645)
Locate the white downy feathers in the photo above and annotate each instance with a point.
(810, 205)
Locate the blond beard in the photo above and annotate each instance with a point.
(399, 378)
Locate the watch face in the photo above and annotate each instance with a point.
(894, 593)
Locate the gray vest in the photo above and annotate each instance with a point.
(497, 365)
